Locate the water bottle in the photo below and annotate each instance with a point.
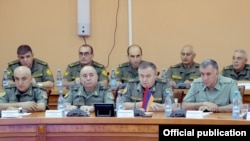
(5, 78)
(168, 103)
(61, 103)
(164, 73)
(113, 80)
(59, 80)
(236, 105)
(119, 102)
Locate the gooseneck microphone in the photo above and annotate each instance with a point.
(192, 95)
(181, 112)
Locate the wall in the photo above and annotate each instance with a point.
(161, 27)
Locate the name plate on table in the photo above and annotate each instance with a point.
(125, 113)
(54, 113)
(248, 116)
(194, 114)
(10, 114)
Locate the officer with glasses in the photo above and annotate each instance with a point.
(86, 55)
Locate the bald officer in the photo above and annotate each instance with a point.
(24, 93)
(89, 91)
(187, 70)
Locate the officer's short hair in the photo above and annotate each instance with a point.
(245, 55)
(23, 49)
(133, 46)
(146, 64)
(208, 62)
(87, 45)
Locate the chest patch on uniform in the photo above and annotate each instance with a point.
(48, 71)
(37, 75)
(193, 77)
(176, 77)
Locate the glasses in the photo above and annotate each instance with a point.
(84, 53)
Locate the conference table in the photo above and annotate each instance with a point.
(37, 127)
(54, 96)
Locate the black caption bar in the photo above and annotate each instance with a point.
(202, 132)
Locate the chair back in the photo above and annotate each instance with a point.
(179, 95)
(242, 91)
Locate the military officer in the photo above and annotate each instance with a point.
(23, 93)
(187, 70)
(40, 70)
(89, 93)
(133, 93)
(211, 91)
(72, 73)
(239, 70)
(129, 70)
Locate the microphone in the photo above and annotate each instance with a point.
(192, 95)
(138, 112)
(122, 86)
(181, 112)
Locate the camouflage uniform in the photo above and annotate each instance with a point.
(126, 72)
(73, 71)
(40, 70)
(180, 74)
(222, 94)
(228, 71)
(78, 95)
(134, 92)
(34, 93)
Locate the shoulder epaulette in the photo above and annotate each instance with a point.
(196, 65)
(9, 86)
(41, 62)
(14, 62)
(226, 80)
(161, 80)
(102, 87)
(124, 64)
(176, 66)
(74, 87)
(247, 66)
(38, 87)
(74, 64)
(197, 80)
(228, 67)
(98, 64)
(133, 80)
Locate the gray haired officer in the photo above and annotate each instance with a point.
(211, 91)
(239, 70)
(133, 93)
(90, 93)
